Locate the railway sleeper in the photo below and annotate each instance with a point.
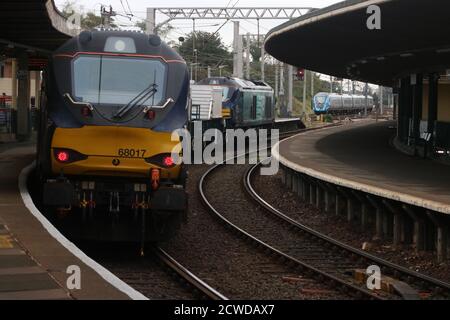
(389, 285)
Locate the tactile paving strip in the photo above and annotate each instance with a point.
(20, 277)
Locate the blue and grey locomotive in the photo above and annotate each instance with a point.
(245, 103)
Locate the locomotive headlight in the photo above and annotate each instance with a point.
(120, 45)
(62, 156)
(163, 160)
(67, 156)
(168, 162)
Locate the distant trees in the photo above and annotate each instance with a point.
(89, 20)
(141, 25)
(210, 51)
(255, 48)
(163, 31)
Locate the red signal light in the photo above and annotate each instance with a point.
(62, 156)
(301, 74)
(68, 156)
(168, 161)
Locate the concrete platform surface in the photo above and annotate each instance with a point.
(33, 264)
(360, 156)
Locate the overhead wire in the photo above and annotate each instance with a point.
(179, 26)
(129, 8)
(214, 33)
(123, 7)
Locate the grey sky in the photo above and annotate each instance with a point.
(183, 27)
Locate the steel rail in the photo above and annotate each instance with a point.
(396, 270)
(188, 276)
(319, 274)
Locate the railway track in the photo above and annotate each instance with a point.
(306, 268)
(157, 275)
(343, 256)
(322, 257)
(324, 277)
(194, 281)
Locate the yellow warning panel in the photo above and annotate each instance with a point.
(5, 242)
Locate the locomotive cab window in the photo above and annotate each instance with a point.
(254, 106)
(321, 99)
(268, 107)
(225, 94)
(115, 81)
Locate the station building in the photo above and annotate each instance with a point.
(30, 31)
(6, 75)
(404, 44)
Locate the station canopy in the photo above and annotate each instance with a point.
(414, 38)
(34, 26)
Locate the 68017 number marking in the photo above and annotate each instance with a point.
(132, 153)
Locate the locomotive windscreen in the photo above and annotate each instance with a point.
(118, 78)
(321, 99)
(116, 81)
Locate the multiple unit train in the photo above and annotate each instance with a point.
(330, 103)
(110, 102)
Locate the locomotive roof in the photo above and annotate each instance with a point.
(343, 95)
(96, 42)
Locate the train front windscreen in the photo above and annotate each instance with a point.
(114, 82)
(118, 79)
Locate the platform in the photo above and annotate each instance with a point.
(33, 258)
(360, 156)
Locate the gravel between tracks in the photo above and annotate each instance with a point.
(274, 192)
(147, 274)
(228, 263)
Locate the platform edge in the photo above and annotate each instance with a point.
(72, 248)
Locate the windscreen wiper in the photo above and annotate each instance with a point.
(147, 93)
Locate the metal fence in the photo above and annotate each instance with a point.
(6, 115)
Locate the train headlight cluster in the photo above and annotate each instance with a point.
(168, 162)
(67, 156)
(120, 45)
(163, 160)
(62, 156)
